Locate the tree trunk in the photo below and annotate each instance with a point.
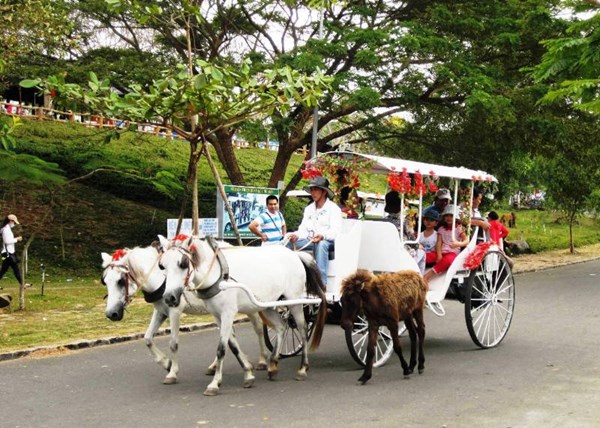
(571, 243)
(226, 155)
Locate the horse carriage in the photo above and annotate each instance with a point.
(286, 288)
(480, 276)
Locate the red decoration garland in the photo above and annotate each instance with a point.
(180, 237)
(119, 254)
(476, 257)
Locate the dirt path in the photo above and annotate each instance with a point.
(554, 258)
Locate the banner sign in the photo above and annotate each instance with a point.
(206, 227)
(247, 203)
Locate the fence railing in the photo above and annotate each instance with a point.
(14, 108)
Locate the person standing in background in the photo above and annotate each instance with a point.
(9, 256)
(270, 225)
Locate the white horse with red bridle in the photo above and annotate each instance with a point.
(127, 271)
(245, 280)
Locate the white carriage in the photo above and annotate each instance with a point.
(487, 291)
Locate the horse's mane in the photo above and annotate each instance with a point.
(138, 254)
(357, 281)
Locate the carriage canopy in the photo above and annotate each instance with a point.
(385, 165)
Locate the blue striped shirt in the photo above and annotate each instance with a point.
(271, 225)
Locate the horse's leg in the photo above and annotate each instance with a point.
(225, 320)
(212, 368)
(260, 334)
(412, 333)
(174, 320)
(368, 372)
(297, 312)
(418, 316)
(275, 319)
(243, 360)
(159, 357)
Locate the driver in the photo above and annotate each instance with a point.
(321, 223)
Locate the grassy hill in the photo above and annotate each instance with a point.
(123, 205)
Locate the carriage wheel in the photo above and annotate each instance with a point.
(357, 341)
(490, 300)
(292, 339)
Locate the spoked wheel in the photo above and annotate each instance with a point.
(292, 338)
(357, 340)
(490, 300)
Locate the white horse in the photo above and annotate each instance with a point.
(125, 272)
(269, 272)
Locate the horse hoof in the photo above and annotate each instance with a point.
(261, 366)
(421, 371)
(301, 376)
(272, 374)
(170, 381)
(406, 376)
(211, 392)
(248, 383)
(210, 372)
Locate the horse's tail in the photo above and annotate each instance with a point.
(314, 285)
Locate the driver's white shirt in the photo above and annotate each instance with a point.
(326, 221)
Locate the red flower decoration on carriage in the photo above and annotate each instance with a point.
(402, 182)
(474, 259)
(341, 172)
(181, 237)
(119, 254)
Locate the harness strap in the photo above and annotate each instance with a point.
(156, 295)
(212, 290)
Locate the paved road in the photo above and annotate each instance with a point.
(545, 374)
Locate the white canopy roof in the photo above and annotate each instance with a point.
(384, 165)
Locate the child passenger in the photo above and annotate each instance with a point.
(497, 230)
(448, 245)
(428, 239)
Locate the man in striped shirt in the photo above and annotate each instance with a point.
(270, 225)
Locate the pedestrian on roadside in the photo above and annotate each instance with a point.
(9, 256)
(270, 225)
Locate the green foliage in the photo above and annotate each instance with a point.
(7, 128)
(548, 230)
(571, 63)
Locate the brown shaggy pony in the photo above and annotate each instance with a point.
(509, 219)
(386, 300)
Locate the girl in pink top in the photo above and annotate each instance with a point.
(448, 244)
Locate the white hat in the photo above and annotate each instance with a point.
(443, 194)
(13, 217)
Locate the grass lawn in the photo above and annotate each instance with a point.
(68, 312)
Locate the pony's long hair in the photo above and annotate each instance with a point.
(314, 285)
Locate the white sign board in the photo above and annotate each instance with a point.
(206, 227)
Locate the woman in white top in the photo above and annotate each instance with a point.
(9, 257)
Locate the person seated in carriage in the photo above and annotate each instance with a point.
(428, 238)
(449, 244)
(406, 229)
(477, 220)
(440, 202)
(321, 223)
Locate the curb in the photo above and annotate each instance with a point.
(539, 269)
(84, 344)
